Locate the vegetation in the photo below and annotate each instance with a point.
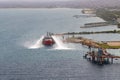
(90, 42)
(74, 33)
(108, 15)
(106, 46)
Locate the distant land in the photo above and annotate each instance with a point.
(61, 4)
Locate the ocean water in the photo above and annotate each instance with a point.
(22, 28)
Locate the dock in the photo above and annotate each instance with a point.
(93, 55)
(103, 59)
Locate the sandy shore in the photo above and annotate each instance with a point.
(113, 43)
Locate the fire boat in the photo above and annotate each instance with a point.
(48, 40)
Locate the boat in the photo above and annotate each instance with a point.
(48, 40)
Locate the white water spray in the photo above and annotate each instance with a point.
(38, 44)
(59, 43)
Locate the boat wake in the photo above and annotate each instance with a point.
(35, 45)
(59, 44)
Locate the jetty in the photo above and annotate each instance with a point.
(83, 41)
(72, 38)
(100, 59)
(94, 56)
(85, 16)
(97, 32)
(96, 24)
(93, 43)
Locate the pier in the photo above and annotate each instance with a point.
(83, 41)
(100, 59)
(97, 24)
(93, 43)
(93, 56)
(89, 42)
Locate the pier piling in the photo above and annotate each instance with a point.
(103, 59)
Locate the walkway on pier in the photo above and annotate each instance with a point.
(83, 41)
(95, 44)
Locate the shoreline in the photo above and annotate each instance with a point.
(94, 44)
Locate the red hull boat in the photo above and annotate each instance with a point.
(48, 40)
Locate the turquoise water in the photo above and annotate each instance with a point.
(21, 27)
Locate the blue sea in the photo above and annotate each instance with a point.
(22, 28)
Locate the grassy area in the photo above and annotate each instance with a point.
(91, 42)
(106, 46)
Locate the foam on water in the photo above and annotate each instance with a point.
(36, 45)
(59, 44)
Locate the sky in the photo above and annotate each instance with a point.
(41, 0)
(54, 0)
(76, 3)
(35, 0)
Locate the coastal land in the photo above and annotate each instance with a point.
(93, 43)
(111, 17)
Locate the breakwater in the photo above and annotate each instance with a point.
(97, 24)
(97, 32)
